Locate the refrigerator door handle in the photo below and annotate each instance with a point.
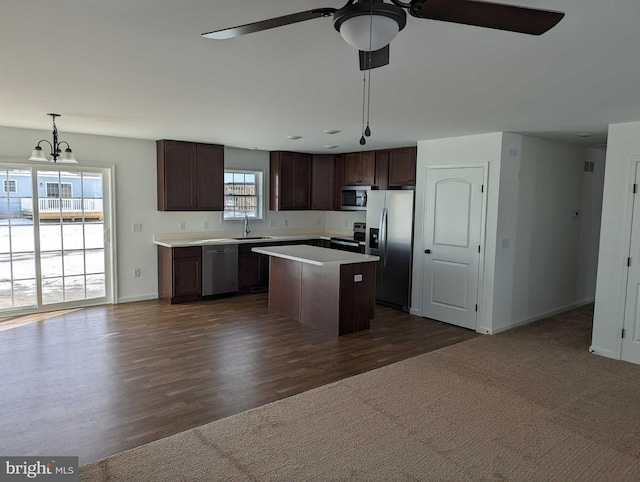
(382, 237)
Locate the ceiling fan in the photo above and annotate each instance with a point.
(370, 25)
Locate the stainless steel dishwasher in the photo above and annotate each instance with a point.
(219, 269)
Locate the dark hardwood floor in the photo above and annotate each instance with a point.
(97, 381)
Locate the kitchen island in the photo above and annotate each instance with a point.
(328, 289)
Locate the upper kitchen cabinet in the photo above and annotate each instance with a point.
(382, 169)
(338, 180)
(322, 181)
(402, 166)
(360, 168)
(190, 176)
(290, 181)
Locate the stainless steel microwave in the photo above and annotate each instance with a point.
(354, 198)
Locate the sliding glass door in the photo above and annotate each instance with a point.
(52, 239)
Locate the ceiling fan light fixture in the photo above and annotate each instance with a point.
(368, 34)
(355, 32)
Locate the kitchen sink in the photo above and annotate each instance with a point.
(253, 237)
(228, 240)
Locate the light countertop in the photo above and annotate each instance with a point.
(178, 240)
(315, 255)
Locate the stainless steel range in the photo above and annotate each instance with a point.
(354, 244)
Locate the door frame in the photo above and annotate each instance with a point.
(482, 305)
(634, 168)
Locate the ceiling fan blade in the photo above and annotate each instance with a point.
(379, 58)
(487, 14)
(270, 23)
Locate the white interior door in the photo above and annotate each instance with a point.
(631, 338)
(453, 222)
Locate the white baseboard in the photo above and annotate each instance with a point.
(415, 311)
(130, 299)
(602, 352)
(540, 316)
(585, 302)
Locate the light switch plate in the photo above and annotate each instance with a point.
(357, 278)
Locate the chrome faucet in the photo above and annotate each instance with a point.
(246, 226)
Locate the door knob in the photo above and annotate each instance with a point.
(427, 251)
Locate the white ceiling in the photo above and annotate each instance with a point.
(141, 69)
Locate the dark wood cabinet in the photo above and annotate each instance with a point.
(360, 168)
(190, 176)
(402, 166)
(322, 179)
(338, 181)
(253, 269)
(179, 273)
(290, 181)
(382, 169)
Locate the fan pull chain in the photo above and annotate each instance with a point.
(363, 141)
(366, 89)
(367, 131)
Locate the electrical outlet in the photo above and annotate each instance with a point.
(136, 272)
(136, 228)
(205, 225)
(182, 225)
(318, 221)
(273, 223)
(346, 224)
(286, 223)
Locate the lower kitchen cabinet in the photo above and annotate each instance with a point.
(179, 274)
(253, 269)
(180, 270)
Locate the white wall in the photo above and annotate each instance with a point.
(590, 216)
(622, 145)
(543, 252)
(507, 239)
(136, 201)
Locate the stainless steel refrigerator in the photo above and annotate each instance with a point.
(390, 236)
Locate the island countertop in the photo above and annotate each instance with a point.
(315, 255)
(181, 240)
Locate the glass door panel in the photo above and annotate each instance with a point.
(71, 222)
(17, 250)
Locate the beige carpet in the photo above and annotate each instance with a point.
(528, 404)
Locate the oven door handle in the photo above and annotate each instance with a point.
(344, 243)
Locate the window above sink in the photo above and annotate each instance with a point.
(243, 195)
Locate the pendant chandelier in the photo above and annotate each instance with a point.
(56, 155)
